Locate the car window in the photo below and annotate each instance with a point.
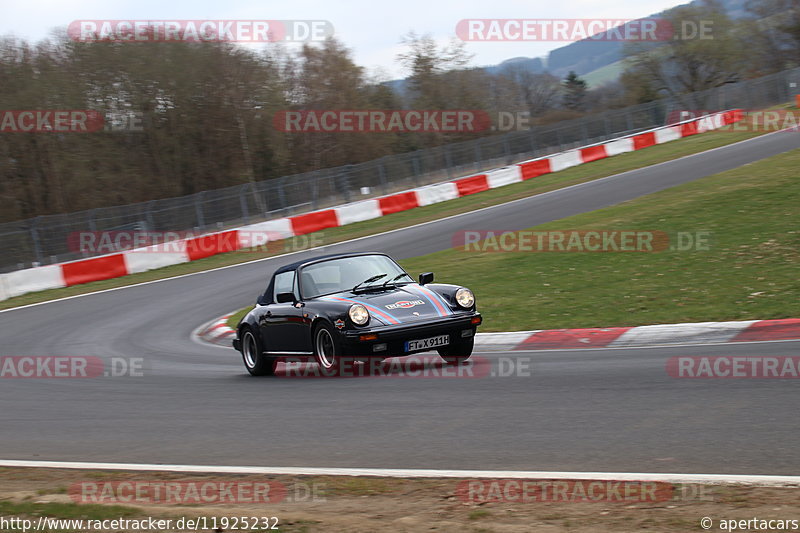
(284, 282)
(337, 275)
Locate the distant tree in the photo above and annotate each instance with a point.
(426, 62)
(610, 95)
(440, 78)
(328, 78)
(713, 56)
(536, 92)
(773, 32)
(638, 87)
(574, 92)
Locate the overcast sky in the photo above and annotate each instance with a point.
(371, 29)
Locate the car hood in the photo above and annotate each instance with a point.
(406, 303)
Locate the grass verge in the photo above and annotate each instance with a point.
(548, 182)
(748, 271)
(234, 319)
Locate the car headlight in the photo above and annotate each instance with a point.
(358, 314)
(465, 298)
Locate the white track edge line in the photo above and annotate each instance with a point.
(583, 184)
(747, 479)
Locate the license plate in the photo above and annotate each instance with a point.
(425, 344)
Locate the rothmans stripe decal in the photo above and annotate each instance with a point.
(381, 314)
(435, 300)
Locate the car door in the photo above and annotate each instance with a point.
(283, 324)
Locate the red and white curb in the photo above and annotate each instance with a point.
(192, 249)
(661, 334)
(218, 332)
(711, 479)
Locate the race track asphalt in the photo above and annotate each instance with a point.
(591, 410)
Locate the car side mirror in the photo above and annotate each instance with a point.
(261, 299)
(425, 278)
(285, 297)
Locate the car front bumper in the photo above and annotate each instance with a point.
(390, 340)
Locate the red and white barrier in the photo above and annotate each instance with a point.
(619, 146)
(503, 176)
(94, 269)
(33, 279)
(398, 202)
(665, 135)
(263, 232)
(316, 221)
(358, 212)
(472, 185)
(593, 153)
(535, 167)
(156, 256)
(433, 194)
(565, 160)
(143, 259)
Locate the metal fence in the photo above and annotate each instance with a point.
(50, 239)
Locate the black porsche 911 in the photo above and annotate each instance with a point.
(356, 307)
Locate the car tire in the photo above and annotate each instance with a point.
(457, 352)
(253, 356)
(327, 350)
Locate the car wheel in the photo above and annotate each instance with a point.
(326, 347)
(255, 361)
(457, 352)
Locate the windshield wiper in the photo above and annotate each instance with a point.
(369, 280)
(393, 279)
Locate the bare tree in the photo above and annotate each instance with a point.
(690, 63)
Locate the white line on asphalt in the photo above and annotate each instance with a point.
(577, 185)
(761, 480)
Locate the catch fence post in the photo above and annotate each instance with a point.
(243, 203)
(198, 210)
(37, 244)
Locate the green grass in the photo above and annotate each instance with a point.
(234, 319)
(477, 514)
(58, 490)
(548, 182)
(749, 272)
(604, 74)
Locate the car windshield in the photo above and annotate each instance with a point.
(337, 275)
